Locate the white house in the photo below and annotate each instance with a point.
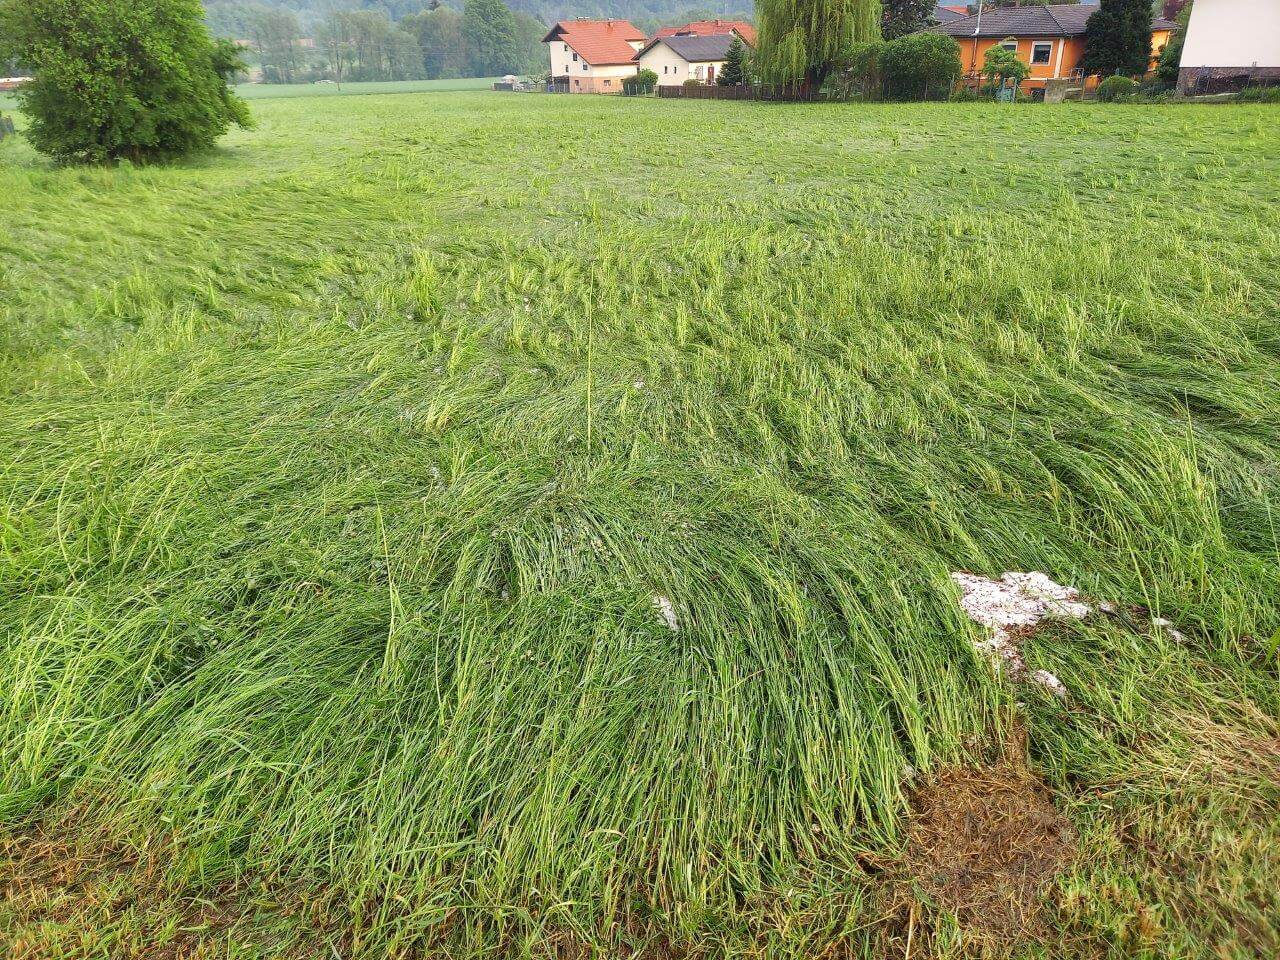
(682, 57)
(593, 56)
(1230, 40)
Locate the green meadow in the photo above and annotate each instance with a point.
(465, 524)
(266, 91)
(275, 91)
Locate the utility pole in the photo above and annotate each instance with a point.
(977, 29)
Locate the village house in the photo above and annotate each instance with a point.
(1230, 43)
(678, 57)
(1050, 40)
(708, 28)
(948, 13)
(593, 56)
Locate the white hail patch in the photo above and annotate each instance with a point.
(1168, 627)
(1017, 600)
(667, 613)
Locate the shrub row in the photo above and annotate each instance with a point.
(920, 66)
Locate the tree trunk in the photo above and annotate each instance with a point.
(814, 77)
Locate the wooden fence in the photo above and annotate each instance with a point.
(791, 93)
(1209, 82)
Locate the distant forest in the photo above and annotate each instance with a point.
(300, 41)
(648, 15)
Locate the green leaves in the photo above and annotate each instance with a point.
(117, 79)
(1002, 64)
(800, 40)
(489, 32)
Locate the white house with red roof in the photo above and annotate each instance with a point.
(677, 58)
(593, 56)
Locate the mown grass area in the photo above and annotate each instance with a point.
(275, 91)
(271, 91)
(345, 472)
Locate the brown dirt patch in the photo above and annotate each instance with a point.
(61, 887)
(986, 843)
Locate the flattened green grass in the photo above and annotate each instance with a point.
(343, 472)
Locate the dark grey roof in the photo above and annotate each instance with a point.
(699, 49)
(1055, 20)
(943, 15)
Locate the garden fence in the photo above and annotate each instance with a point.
(791, 93)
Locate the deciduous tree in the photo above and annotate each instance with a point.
(274, 34)
(1003, 65)
(489, 34)
(800, 40)
(365, 45)
(121, 79)
(902, 17)
(439, 34)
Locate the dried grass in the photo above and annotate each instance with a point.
(986, 843)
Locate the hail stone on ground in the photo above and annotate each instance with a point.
(667, 613)
(1017, 601)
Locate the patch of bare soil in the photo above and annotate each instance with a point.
(986, 843)
(60, 885)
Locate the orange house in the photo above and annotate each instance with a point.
(1050, 40)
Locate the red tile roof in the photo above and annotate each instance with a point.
(709, 28)
(599, 42)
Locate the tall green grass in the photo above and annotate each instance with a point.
(342, 471)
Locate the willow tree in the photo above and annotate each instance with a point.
(803, 39)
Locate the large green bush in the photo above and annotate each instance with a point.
(1259, 95)
(858, 70)
(1117, 88)
(922, 66)
(120, 79)
(642, 83)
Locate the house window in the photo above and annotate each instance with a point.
(664, 68)
(608, 83)
(1011, 45)
(1041, 52)
(584, 67)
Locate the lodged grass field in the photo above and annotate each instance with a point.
(480, 525)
